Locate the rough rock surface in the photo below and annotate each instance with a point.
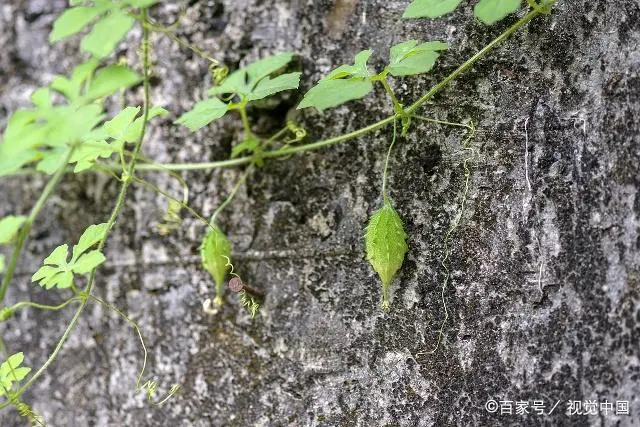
(544, 298)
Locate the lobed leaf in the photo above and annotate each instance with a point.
(92, 235)
(412, 57)
(345, 83)
(430, 8)
(253, 81)
(107, 33)
(385, 245)
(72, 21)
(268, 86)
(492, 11)
(88, 153)
(11, 372)
(9, 227)
(111, 79)
(88, 262)
(203, 113)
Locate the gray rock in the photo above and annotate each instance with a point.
(544, 297)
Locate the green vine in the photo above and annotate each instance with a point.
(50, 136)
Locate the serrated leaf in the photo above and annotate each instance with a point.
(430, 8)
(358, 69)
(203, 113)
(72, 21)
(86, 155)
(411, 57)
(331, 93)
(9, 227)
(52, 160)
(215, 247)
(59, 256)
(246, 79)
(57, 272)
(88, 262)
(109, 80)
(492, 11)
(45, 273)
(117, 126)
(345, 83)
(269, 86)
(92, 235)
(11, 372)
(107, 33)
(385, 245)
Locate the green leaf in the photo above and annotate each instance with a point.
(107, 33)
(88, 262)
(410, 57)
(2, 267)
(269, 86)
(59, 256)
(358, 69)
(430, 8)
(92, 235)
(11, 372)
(111, 79)
(88, 153)
(345, 83)
(215, 251)
(492, 11)
(143, 3)
(73, 21)
(203, 113)
(385, 246)
(57, 272)
(331, 93)
(9, 227)
(243, 81)
(117, 126)
(42, 98)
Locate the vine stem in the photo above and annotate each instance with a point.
(386, 164)
(126, 181)
(231, 195)
(28, 224)
(359, 132)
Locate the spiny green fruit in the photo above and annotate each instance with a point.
(216, 252)
(385, 246)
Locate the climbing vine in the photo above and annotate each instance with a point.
(68, 130)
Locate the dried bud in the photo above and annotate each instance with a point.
(236, 285)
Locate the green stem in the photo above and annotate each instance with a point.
(231, 195)
(23, 304)
(126, 181)
(169, 196)
(386, 164)
(397, 107)
(245, 121)
(28, 224)
(469, 62)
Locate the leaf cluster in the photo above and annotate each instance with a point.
(350, 82)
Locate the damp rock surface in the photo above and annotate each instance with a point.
(544, 295)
